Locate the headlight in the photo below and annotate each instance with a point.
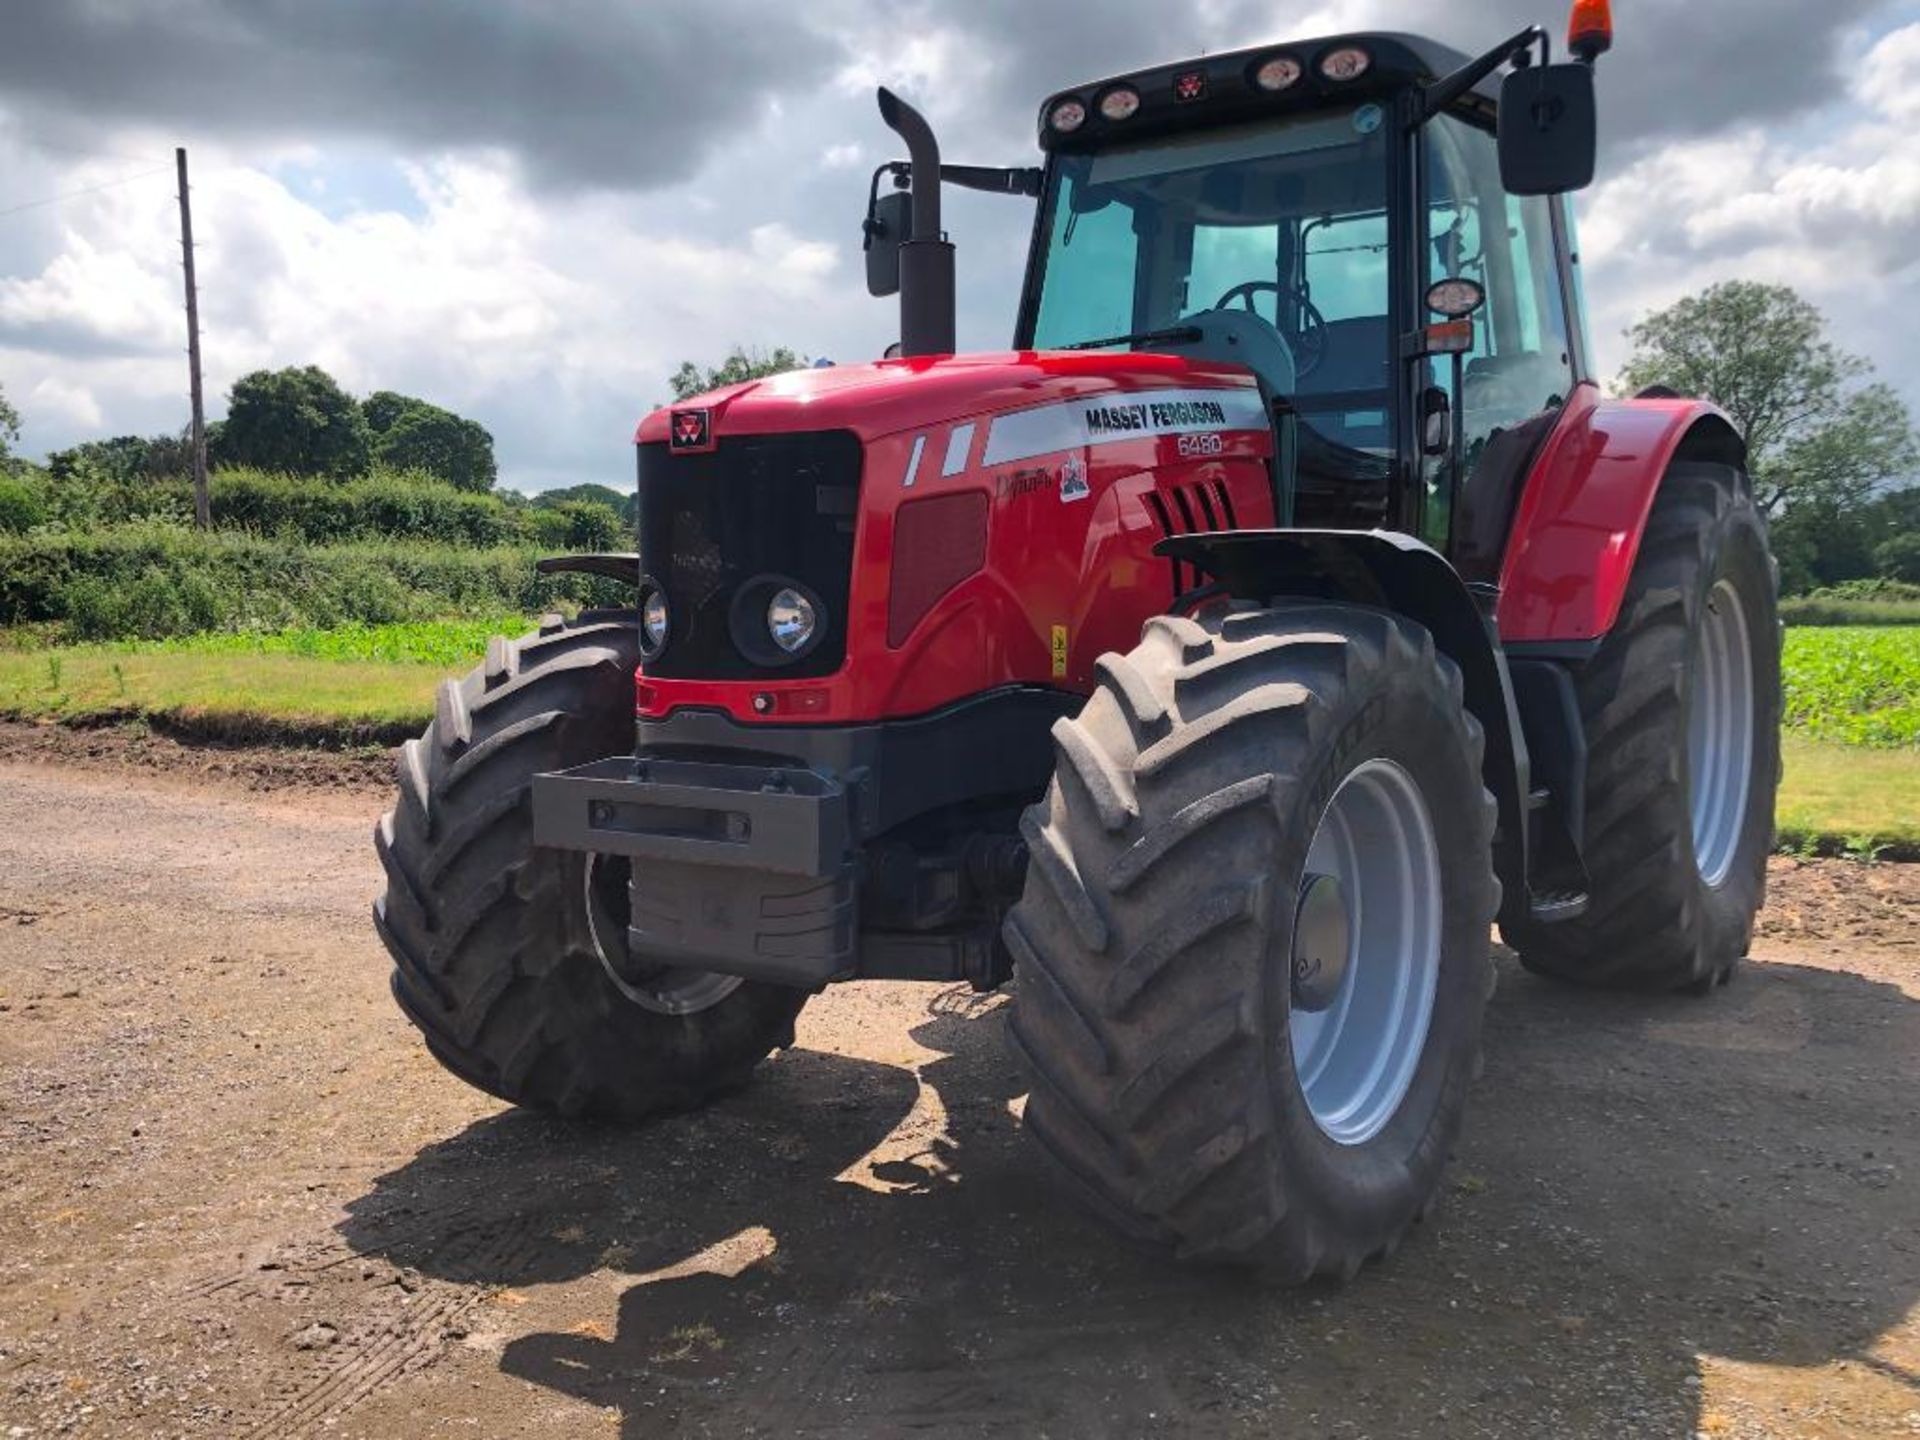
(654, 621)
(791, 620)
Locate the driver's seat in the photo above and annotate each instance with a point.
(1243, 338)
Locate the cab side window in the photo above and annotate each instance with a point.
(1520, 369)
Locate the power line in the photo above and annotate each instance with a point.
(34, 142)
(90, 190)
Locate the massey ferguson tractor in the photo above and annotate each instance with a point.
(1287, 606)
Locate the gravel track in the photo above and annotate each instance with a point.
(237, 1198)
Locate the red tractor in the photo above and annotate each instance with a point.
(1286, 606)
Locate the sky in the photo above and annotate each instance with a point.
(531, 211)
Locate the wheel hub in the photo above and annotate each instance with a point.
(1720, 725)
(663, 989)
(1366, 952)
(1322, 943)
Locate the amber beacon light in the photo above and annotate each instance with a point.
(1590, 29)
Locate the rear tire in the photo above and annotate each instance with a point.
(1155, 942)
(491, 936)
(1679, 802)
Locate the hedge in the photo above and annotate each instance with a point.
(155, 579)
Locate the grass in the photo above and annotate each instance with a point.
(1842, 798)
(1853, 704)
(1857, 685)
(229, 694)
(1797, 610)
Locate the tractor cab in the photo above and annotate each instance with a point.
(1355, 222)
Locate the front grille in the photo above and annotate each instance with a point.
(757, 506)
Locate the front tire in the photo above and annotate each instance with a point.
(493, 939)
(1682, 712)
(1177, 943)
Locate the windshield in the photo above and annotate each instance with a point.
(1284, 218)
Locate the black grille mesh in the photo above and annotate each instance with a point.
(757, 505)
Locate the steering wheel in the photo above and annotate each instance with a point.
(1310, 345)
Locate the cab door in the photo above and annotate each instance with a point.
(1504, 394)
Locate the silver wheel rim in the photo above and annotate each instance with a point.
(1356, 1055)
(667, 990)
(1720, 732)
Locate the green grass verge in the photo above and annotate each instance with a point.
(363, 683)
(1844, 799)
(230, 694)
(1824, 610)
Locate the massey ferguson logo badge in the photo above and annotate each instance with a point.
(690, 430)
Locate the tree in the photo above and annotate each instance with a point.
(1819, 431)
(383, 407)
(124, 459)
(741, 364)
(588, 493)
(413, 434)
(297, 421)
(9, 426)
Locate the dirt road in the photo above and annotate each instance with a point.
(236, 1198)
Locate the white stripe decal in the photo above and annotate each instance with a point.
(913, 460)
(958, 444)
(1120, 415)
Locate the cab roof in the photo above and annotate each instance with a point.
(1221, 89)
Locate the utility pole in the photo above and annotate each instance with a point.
(202, 511)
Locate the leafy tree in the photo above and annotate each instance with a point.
(124, 459)
(9, 425)
(414, 434)
(297, 421)
(622, 504)
(428, 438)
(383, 407)
(741, 364)
(1820, 431)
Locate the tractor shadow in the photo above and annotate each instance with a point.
(1648, 1190)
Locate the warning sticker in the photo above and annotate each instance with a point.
(1059, 652)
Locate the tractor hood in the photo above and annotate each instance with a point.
(890, 396)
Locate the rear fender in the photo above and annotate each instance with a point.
(1576, 531)
(1394, 572)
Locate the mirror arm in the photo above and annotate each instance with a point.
(993, 179)
(1444, 91)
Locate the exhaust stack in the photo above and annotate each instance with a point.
(926, 256)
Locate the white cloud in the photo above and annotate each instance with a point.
(1837, 218)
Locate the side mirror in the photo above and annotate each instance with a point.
(1549, 129)
(889, 223)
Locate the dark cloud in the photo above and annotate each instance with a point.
(1684, 68)
(1680, 68)
(584, 92)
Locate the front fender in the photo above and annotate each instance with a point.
(1577, 528)
(1394, 572)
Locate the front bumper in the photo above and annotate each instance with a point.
(755, 848)
(757, 817)
(749, 870)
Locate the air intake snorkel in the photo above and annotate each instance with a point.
(926, 255)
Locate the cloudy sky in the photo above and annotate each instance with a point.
(532, 210)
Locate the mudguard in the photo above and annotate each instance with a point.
(1395, 572)
(1576, 530)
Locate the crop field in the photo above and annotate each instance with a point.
(1858, 685)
